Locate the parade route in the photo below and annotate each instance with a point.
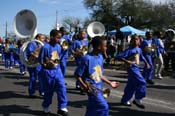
(14, 100)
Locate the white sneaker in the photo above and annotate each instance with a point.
(126, 103)
(160, 77)
(11, 67)
(46, 110)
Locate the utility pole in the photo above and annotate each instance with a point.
(6, 30)
(56, 26)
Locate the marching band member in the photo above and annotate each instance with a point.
(157, 56)
(65, 51)
(76, 49)
(90, 71)
(17, 52)
(148, 50)
(7, 54)
(34, 71)
(136, 83)
(53, 79)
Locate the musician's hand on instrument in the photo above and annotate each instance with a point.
(114, 84)
(147, 66)
(50, 64)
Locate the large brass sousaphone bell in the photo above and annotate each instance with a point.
(25, 23)
(95, 29)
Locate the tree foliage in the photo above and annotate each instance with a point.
(71, 23)
(137, 13)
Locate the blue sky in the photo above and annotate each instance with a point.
(45, 11)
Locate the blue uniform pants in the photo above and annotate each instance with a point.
(148, 73)
(97, 105)
(8, 59)
(53, 80)
(16, 60)
(34, 73)
(21, 67)
(3, 57)
(63, 65)
(78, 62)
(136, 85)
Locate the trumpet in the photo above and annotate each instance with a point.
(84, 50)
(106, 92)
(64, 44)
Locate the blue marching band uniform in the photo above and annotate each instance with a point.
(136, 83)
(34, 72)
(89, 67)
(65, 53)
(77, 45)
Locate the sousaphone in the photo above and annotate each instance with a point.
(25, 27)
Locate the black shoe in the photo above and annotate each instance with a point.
(150, 82)
(42, 94)
(126, 104)
(32, 96)
(47, 114)
(62, 113)
(78, 87)
(82, 92)
(139, 105)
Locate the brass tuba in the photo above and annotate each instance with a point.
(25, 23)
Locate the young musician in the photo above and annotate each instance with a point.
(136, 84)
(21, 65)
(65, 51)
(158, 54)
(76, 49)
(148, 50)
(90, 71)
(34, 71)
(7, 54)
(53, 79)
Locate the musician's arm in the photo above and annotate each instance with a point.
(113, 84)
(123, 57)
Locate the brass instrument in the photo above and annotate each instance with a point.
(151, 48)
(54, 62)
(134, 59)
(25, 26)
(95, 29)
(64, 44)
(84, 50)
(106, 92)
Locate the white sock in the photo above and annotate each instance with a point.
(64, 109)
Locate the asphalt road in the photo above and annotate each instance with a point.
(14, 100)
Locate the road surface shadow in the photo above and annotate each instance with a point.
(161, 87)
(12, 75)
(23, 83)
(74, 91)
(11, 94)
(117, 110)
(77, 104)
(9, 110)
